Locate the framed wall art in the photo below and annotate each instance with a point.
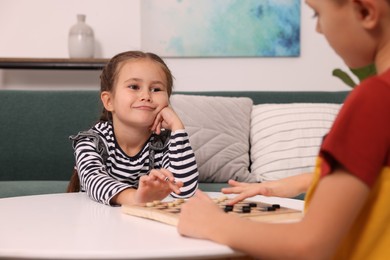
(221, 28)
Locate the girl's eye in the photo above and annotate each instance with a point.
(135, 87)
(155, 89)
(315, 15)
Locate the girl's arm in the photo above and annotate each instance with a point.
(168, 119)
(180, 161)
(104, 189)
(155, 186)
(92, 173)
(334, 207)
(179, 158)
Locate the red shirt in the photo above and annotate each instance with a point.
(359, 139)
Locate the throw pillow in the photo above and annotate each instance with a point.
(285, 138)
(218, 129)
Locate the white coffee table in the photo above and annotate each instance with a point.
(72, 226)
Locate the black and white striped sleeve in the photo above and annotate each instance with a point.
(93, 174)
(180, 160)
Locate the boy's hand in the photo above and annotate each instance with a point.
(246, 190)
(195, 216)
(287, 187)
(168, 119)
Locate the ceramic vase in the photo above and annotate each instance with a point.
(81, 41)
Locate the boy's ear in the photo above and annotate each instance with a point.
(105, 96)
(368, 12)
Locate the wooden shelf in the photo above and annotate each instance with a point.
(52, 63)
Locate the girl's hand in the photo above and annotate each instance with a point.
(156, 186)
(168, 119)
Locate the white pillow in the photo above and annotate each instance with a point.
(218, 128)
(285, 138)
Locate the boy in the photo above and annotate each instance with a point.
(347, 214)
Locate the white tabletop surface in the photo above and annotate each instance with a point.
(72, 226)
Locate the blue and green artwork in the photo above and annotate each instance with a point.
(221, 28)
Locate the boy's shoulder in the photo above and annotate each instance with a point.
(371, 96)
(374, 88)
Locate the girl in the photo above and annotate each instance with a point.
(139, 151)
(347, 214)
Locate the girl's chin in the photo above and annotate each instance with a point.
(143, 126)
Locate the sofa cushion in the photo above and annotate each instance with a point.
(26, 188)
(285, 138)
(35, 131)
(218, 129)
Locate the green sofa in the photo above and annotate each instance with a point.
(36, 156)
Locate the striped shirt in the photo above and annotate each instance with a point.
(103, 179)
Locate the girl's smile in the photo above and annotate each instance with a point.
(144, 107)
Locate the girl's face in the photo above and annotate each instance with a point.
(140, 92)
(341, 24)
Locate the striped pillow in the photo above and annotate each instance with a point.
(285, 138)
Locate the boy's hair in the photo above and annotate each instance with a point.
(343, 1)
(110, 72)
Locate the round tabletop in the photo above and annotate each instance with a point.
(72, 226)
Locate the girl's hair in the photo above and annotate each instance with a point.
(110, 73)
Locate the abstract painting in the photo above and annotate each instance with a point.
(221, 28)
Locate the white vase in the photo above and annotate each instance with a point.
(81, 41)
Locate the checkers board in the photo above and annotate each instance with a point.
(168, 211)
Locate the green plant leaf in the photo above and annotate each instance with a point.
(344, 77)
(360, 73)
(364, 72)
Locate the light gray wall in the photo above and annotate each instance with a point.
(39, 28)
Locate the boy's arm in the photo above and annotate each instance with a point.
(334, 206)
(287, 187)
